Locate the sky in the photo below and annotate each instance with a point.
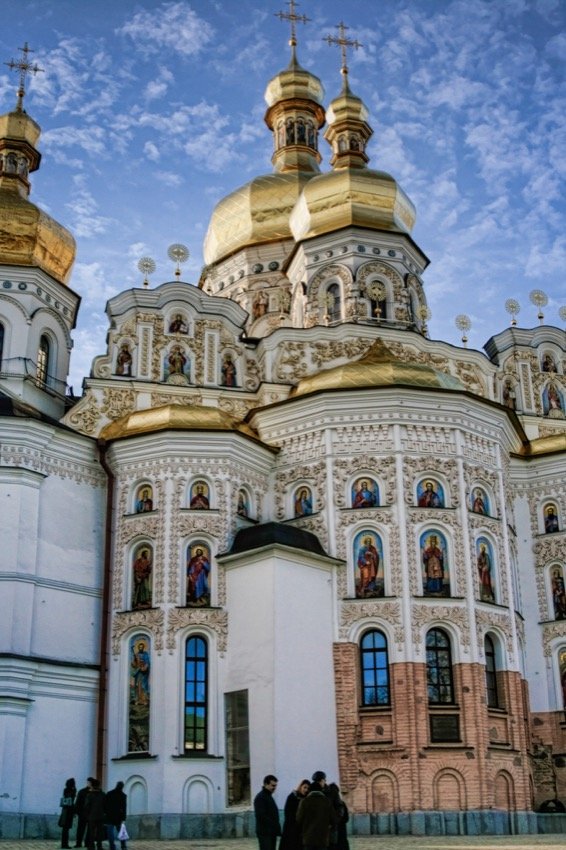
(152, 111)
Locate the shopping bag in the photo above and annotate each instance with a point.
(123, 833)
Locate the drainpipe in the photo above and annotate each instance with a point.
(105, 623)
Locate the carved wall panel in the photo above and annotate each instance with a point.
(350, 439)
(428, 439)
(423, 615)
(153, 620)
(352, 613)
(181, 618)
(344, 470)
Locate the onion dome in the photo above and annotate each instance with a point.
(377, 368)
(259, 211)
(28, 236)
(175, 417)
(351, 194)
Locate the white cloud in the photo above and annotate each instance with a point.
(87, 223)
(151, 151)
(171, 26)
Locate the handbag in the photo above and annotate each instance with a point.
(123, 833)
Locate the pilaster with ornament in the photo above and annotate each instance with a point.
(253, 374)
(352, 613)
(423, 615)
(179, 619)
(153, 620)
(117, 402)
(291, 363)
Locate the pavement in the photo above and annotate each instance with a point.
(374, 842)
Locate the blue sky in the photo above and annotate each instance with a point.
(152, 111)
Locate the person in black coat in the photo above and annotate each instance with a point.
(67, 811)
(291, 838)
(115, 807)
(267, 826)
(340, 834)
(79, 811)
(94, 812)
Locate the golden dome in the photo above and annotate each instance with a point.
(360, 197)
(28, 236)
(376, 368)
(174, 417)
(294, 83)
(255, 213)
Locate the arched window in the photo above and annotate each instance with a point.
(42, 368)
(439, 677)
(196, 694)
(333, 303)
(491, 673)
(375, 669)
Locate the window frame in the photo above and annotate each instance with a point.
(443, 662)
(200, 703)
(379, 653)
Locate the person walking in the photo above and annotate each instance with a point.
(316, 815)
(267, 826)
(94, 812)
(79, 811)
(67, 811)
(115, 807)
(339, 836)
(291, 838)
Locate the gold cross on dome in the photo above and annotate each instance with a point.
(24, 67)
(344, 43)
(292, 16)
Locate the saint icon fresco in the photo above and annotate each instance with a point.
(436, 574)
(550, 519)
(229, 374)
(552, 402)
(480, 502)
(200, 498)
(124, 361)
(548, 363)
(198, 573)
(368, 561)
(144, 500)
(365, 493)
(176, 363)
(430, 494)
(303, 502)
(142, 568)
(178, 325)
(139, 697)
(484, 561)
(558, 594)
(243, 506)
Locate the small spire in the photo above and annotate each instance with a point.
(293, 18)
(24, 67)
(344, 43)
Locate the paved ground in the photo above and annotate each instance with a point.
(375, 842)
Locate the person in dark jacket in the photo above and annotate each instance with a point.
(291, 838)
(115, 807)
(316, 815)
(67, 811)
(339, 836)
(267, 826)
(79, 811)
(94, 812)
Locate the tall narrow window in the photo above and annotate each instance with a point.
(1, 342)
(491, 674)
(439, 668)
(42, 361)
(237, 748)
(196, 694)
(334, 303)
(375, 669)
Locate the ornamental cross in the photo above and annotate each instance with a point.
(24, 67)
(344, 43)
(292, 16)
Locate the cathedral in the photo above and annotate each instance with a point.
(282, 529)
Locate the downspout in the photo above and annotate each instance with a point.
(104, 626)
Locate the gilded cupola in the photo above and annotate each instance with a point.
(28, 236)
(351, 194)
(258, 212)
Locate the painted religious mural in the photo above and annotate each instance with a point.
(430, 494)
(368, 565)
(139, 696)
(176, 362)
(198, 575)
(551, 519)
(485, 566)
(199, 499)
(365, 493)
(480, 502)
(552, 402)
(142, 568)
(434, 559)
(558, 593)
(144, 499)
(302, 501)
(243, 505)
